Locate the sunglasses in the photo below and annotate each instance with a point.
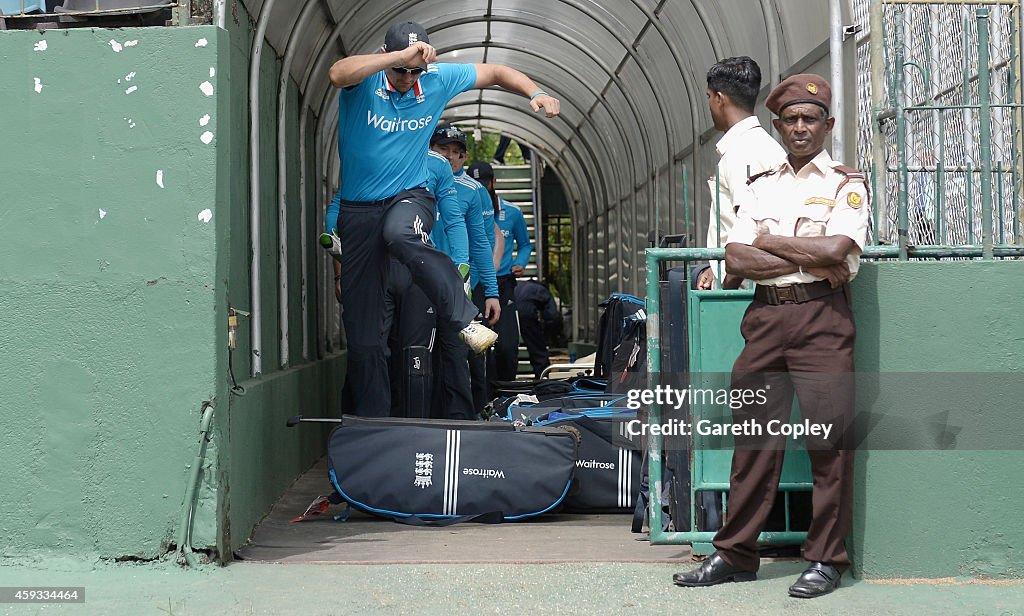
(452, 132)
(406, 70)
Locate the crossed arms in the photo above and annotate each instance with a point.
(776, 255)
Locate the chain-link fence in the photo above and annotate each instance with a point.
(941, 136)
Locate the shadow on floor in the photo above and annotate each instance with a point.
(365, 539)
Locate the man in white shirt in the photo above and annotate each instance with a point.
(746, 149)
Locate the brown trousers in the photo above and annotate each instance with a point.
(807, 348)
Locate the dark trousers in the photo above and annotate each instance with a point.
(506, 349)
(414, 323)
(806, 348)
(453, 397)
(370, 234)
(481, 390)
(411, 321)
(531, 328)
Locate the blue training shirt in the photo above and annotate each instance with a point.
(440, 182)
(449, 234)
(481, 248)
(513, 227)
(383, 135)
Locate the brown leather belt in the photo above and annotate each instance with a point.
(793, 294)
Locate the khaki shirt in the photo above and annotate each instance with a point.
(819, 201)
(746, 149)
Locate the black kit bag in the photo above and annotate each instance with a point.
(618, 308)
(628, 369)
(442, 472)
(608, 472)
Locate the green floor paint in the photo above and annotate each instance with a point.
(311, 590)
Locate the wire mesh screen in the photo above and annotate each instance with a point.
(959, 152)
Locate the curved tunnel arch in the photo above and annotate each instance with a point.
(530, 118)
(621, 173)
(589, 55)
(629, 71)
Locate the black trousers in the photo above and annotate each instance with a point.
(506, 349)
(370, 234)
(411, 321)
(532, 330)
(480, 388)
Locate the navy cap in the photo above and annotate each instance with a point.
(445, 133)
(481, 171)
(402, 34)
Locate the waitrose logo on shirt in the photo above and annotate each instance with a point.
(395, 125)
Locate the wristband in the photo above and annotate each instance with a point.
(538, 93)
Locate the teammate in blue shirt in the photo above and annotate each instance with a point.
(410, 318)
(388, 105)
(455, 399)
(512, 225)
(513, 229)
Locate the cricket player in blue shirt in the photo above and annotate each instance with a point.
(518, 248)
(389, 104)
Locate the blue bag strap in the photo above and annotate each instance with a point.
(491, 517)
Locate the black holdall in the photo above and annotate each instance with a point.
(608, 473)
(441, 472)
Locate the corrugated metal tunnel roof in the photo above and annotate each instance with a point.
(630, 73)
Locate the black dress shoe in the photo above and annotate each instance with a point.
(714, 570)
(819, 579)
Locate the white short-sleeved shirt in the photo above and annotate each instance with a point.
(746, 149)
(819, 201)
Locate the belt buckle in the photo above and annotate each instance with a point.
(786, 294)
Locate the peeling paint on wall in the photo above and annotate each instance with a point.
(206, 215)
(39, 85)
(160, 178)
(132, 43)
(207, 88)
(131, 89)
(115, 46)
(119, 424)
(40, 46)
(203, 121)
(202, 42)
(206, 137)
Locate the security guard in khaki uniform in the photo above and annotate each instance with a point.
(799, 233)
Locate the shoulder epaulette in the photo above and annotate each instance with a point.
(850, 172)
(851, 175)
(757, 176)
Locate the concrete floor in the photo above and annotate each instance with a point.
(365, 539)
(585, 565)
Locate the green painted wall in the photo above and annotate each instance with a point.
(259, 457)
(939, 513)
(108, 285)
(114, 292)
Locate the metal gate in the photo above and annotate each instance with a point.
(944, 122)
